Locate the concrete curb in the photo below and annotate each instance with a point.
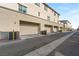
(45, 50)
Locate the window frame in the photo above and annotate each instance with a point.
(45, 8)
(38, 13)
(37, 4)
(54, 14)
(21, 10)
(48, 18)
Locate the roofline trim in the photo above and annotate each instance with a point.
(65, 20)
(51, 8)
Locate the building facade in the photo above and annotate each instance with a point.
(26, 19)
(66, 25)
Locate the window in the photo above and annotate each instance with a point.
(54, 14)
(22, 8)
(58, 16)
(38, 13)
(45, 7)
(38, 4)
(48, 17)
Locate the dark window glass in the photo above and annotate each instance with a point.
(38, 13)
(54, 14)
(48, 17)
(45, 7)
(22, 9)
(38, 4)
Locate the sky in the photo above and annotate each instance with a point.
(67, 11)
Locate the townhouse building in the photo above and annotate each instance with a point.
(26, 19)
(66, 25)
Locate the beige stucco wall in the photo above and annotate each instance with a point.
(33, 9)
(13, 6)
(8, 20)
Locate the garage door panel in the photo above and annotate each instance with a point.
(49, 29)
(55, 29)
(26, 29)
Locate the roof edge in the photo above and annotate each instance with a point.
(51, 8)
(65, 20)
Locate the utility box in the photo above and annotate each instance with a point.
(60, 30)
(44, 32)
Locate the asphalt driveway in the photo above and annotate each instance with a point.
(70, 47)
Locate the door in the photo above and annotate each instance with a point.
(28, 28)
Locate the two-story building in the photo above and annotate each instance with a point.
(27, 19)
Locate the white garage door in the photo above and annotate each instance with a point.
(48, 29)
(28, 28)
(55, 29)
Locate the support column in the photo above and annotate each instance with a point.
(42, 27)
(52, 28)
